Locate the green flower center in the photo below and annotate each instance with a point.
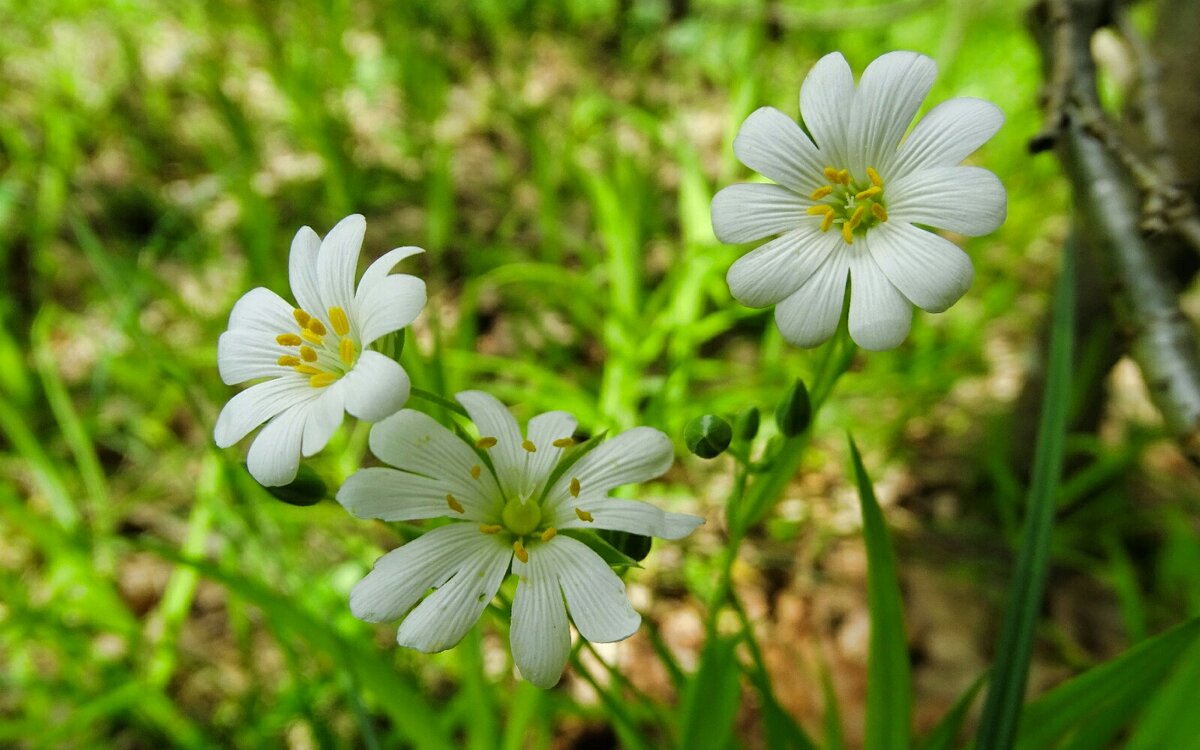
(521, 516)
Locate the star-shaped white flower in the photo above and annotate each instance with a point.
(315, 356)
(852, 199)
(505, 515)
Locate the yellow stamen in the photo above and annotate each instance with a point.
(316, 327)
(288, 360)
(879, 211)
(584, 515)
(307, 370)
(519, 551)
(311, 337)
(848, 233)
(821, 192)
(454, 504)
(339, 321)
(818, 209)
(287, 339)
(574, 488)
(856, 217)
(831, 174)
(529, 446)
(844, 176)
(485, 442)
(491, 528)
(549, 534)
(870, 192)
(827, 222)
(476, 471)
(322, 379)
(346, 351)
(308, 354)
(301, 317)
(876, 180)
(564, 442)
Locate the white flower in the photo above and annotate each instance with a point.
(315, 355)
(851, 199)
(506, 515)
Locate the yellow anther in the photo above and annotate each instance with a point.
(491, 528)
(870, 192)
(827, 222)
(476, 470)
(308, 354)
(831, 174)
(564, 442)
(322, 379)
(287, 339)
(857, 217)
(876, 180)
(519, 551)
(529, 446)
(821, 192)
(454, 504)
(312, 337)
(346, 351)
(574, 488)
(288, 360)
(316, 327)
(339, 321)
(301, 317)
(879, 211)
(844, 176)
(848, 233)
(549, 534)
(584, 515)
(819, 209)
(304, 369)
(485, 442)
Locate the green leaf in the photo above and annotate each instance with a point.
(889, 684)
(1171, 719)
(711, 700)
(942, 736)
(1002, 710)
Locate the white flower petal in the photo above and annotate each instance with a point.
(494, 420)
(324, 417)
(376, 387)
(403, 575)
(889, 94)
(595, 595)
(391, 495)
(302, 270)
(928, 269)
(245, 354)
(260, 309)
(616, 514)
(274, 456)
(949, 133)
(445, 616)
(635, 455)
(826, 100)
(539, 635)
(880, 316)
(967, 200)
(256, 405)
(751, 211)
(542, 431)
(337, 264)
(810, 315)
(769, 273)
(387, 305)
(382, 267)
(772, 144)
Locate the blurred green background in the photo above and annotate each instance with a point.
(556, 160)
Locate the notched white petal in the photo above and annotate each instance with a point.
(932, 272)
(768, 274)
(595, 595)
(376, 387)
(826, 101)
(810, 315)
(772, 144)
(540, 637)
(967, 200)
(274, 456)
(880, 316)
(751, 211)
(949, 133)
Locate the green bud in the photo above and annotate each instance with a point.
(746, 426)
(707, 436)
(306, 489)
(794, 412)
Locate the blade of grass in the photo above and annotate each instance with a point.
(889, 683)
(942, 736)
(1006, 691)
(1171, 719)
(711, 700)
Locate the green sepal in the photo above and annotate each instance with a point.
(610, 554)
(306, 489)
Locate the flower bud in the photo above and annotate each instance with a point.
(707, 436)
(746, 426)
(306, 489)
(794, 412)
